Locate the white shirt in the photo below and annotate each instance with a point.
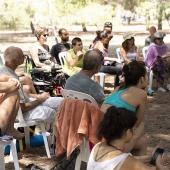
(105, 165)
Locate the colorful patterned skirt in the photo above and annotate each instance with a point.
(161, 70)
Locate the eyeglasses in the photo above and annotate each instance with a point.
(45, 35)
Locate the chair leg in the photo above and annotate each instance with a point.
(45, 139)
(52, 147)
(79, 159)
(150, 79)
(14, 155)
(102, 80)
(27, 137)
(2, 161)
(83, 155)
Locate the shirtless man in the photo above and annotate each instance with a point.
(9, 104)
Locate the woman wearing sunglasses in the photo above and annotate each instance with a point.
(158, 60)
(129, 51)
(40, 51)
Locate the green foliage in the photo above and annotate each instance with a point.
(14, 14)
(76, 13)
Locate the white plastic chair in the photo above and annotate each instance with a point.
(84, 147)
(13, 154)
(144, 51)
(78, 95)
(101, 78)
(119, 56)
(26, 124)
(2, 59)
(62, 58)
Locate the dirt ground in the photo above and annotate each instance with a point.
(157, 115)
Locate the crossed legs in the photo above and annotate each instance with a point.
(8, 111)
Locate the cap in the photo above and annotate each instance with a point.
(128, 35)
(158, 35)
(108, 24)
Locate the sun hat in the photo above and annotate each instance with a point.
(158, 35)
(128, 35)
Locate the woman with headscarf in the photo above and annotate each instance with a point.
(156, 59)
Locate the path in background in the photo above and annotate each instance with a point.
(24, 39)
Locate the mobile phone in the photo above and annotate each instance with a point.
(158, 151)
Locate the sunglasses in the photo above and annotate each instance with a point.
(158, 38)
(108, 24)
(45, 35)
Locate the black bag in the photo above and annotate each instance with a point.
(64, 163)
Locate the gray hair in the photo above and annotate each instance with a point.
(92, 59)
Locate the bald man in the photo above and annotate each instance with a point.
(82, 81)
(35, 106)
(149, 39)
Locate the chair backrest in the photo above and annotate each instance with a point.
(62, 58)
(29, 64)
(2, 61)
(119, 56)
(144, 51)
(78, 95)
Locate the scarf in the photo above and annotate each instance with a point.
(153, 52)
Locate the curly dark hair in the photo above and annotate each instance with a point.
(102, 34)
(115, 122)
(132, 72)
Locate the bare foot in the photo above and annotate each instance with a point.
(15, 133)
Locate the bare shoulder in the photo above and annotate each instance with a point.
(115, 90)
(133, 164)
(33, 47)
(138, 92)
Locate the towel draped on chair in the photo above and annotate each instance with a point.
(76, 119)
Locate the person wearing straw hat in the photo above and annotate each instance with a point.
(129, 51)
(157, 60)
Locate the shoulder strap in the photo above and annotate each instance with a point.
(121, 163)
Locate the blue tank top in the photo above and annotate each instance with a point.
(115, 100)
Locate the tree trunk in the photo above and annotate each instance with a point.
(32, 27)
(147, 20)
(84, 27)
(160, 13)
(132, 4)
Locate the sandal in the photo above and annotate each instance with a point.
(158, 151)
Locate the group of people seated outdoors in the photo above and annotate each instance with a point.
(122, 133)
